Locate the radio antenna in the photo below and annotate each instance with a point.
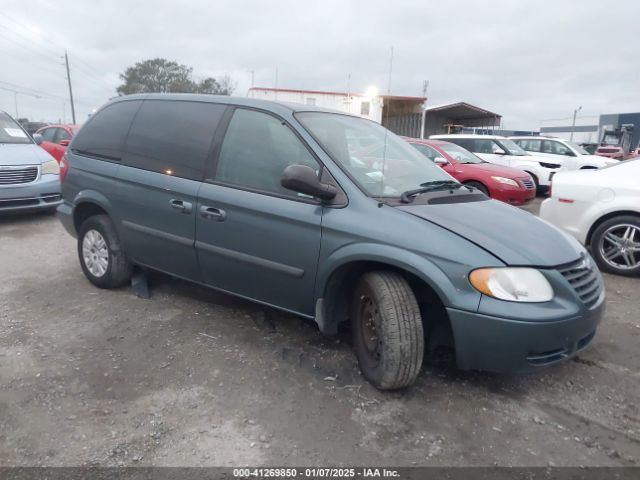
(386, 107)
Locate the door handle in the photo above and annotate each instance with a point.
(184, 207)
(212, 213)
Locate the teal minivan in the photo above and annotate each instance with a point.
(333, 218)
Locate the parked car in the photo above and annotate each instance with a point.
(501, 183)
(502, 151)
(273, 203)
(56, 138)
(28, 175)
(570, 155)
(601, 209)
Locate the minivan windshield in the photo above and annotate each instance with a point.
(381, 163)
(10, 131)
(512, 147)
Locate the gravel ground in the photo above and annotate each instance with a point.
(193, 377)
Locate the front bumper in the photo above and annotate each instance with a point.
(495, 344)
(514, 195)
(43, 194)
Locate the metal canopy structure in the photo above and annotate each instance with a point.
(440, 118)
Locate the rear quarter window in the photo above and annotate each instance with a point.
(103, 136)
(173, 137)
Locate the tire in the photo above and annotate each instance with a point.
(99, 235)
(478, 186)
(535, 181)
(611, 251)
(387, 330)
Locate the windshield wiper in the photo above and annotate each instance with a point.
(405, 197)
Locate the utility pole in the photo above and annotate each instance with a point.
(73, 109)
(425, 87)
(15, 100)
(573, 125)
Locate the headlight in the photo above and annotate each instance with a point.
(515, 284)
(506, 181)
(50, 166)
(549, 165)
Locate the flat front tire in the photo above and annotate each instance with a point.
(387, 330)
(101, 257)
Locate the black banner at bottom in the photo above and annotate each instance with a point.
(330, 473)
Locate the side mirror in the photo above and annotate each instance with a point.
(303, 179)
(64, 143)
(38, 138)
(499, 151)
(440, 161)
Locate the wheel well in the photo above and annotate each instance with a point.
(466, 182)
(85, 210)
(342, 282)
(606, 217)
(534, 176)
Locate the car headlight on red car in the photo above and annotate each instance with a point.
(514, 284)
(505, 181)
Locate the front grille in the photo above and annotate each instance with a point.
(583, 277)
(13, 175)
(528, 183)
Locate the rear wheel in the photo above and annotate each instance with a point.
(478, 186)
(101, 257)
(615, 245)
(387, 330)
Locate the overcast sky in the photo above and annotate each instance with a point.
(527, 60)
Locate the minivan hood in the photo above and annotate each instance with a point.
(22, 154)
(514, 236)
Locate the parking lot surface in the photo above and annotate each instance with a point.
(194, 377)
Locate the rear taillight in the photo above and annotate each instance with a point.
(64, 168)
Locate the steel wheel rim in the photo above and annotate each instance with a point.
(95, 253)
(620, 246)
(369, 321)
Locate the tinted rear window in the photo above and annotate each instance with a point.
(173, 137)
(103, 136)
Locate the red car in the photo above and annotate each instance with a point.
(507, 184)
(56, 138)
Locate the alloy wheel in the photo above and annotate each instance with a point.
(620, 246)
(95, 253)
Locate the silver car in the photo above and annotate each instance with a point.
(29, 176)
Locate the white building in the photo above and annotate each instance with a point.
(400, 114)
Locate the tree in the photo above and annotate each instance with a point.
(163, 76)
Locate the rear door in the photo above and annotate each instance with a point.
(253, 237)
(162, 169)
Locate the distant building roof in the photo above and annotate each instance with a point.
(462, 111)
(343, 94)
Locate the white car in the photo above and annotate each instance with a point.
(502, 151)
(601, 209)
(570, 155)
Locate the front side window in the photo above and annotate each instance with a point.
(257, 147)
(380, 162)
(487, 146)
(49, 134)
(511, 147)
(460, 154)
(557, 148)
(173, 137)
(530, 145)
(10, 131)
(429, 152)
(62, 134)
